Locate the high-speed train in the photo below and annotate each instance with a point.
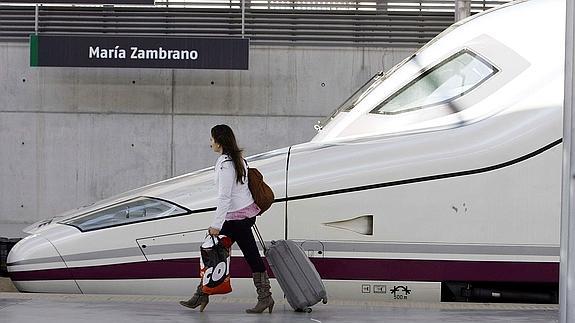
(438, 180)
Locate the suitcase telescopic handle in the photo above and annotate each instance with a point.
(260, 238)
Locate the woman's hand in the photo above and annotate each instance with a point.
(213, 231)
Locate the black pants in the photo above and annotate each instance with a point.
(240, 231)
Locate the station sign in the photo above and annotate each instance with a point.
(108, 2)
(139, 52)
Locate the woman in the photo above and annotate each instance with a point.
(235, 215)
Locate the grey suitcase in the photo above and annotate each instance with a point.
(296, 275)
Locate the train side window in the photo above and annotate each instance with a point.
(445, 82)
(135, 210)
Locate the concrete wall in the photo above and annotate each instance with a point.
(71, 136)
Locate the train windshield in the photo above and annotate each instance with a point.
(432, 93)
(127, 212)
(445, 82)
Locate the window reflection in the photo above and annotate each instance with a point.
(441, 84)
(131, 211)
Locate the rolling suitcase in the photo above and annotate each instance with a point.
(295, 273)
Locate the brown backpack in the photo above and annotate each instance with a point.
(261, 192)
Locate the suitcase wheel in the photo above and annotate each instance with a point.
(324, 300)
(304, 310)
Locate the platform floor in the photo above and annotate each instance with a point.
(24, 307)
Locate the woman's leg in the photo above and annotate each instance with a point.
(199, 299)
(245, 240)
(240, 231)
(248, 245)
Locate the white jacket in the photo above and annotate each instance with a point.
(232, 196)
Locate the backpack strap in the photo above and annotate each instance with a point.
(226, 159)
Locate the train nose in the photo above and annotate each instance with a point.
(33, 252)
(35, 265)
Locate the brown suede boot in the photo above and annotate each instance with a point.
(265, 300)
(199, 299)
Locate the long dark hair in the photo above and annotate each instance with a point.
(224, 136)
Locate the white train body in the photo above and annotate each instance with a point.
(445, 169)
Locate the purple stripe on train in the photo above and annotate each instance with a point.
(328, 268)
